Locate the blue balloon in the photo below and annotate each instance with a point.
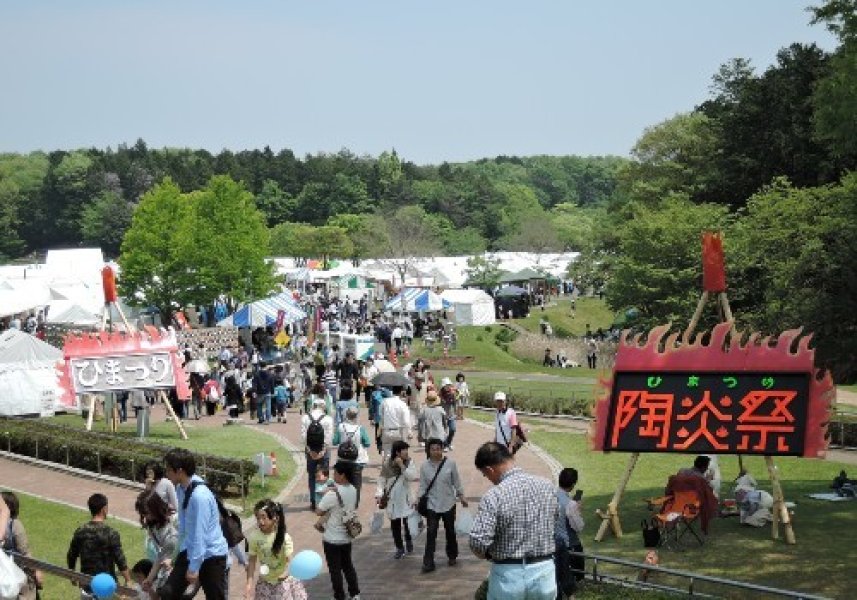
(103, 585)
(305, 565)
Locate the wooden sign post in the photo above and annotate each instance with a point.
(729, 395)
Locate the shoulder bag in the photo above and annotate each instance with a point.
(350, 520)
(422, 503)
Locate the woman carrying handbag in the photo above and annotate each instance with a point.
(394, 494)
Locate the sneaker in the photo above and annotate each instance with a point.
(399, 554)
(357, 597)
(428, 568)
(409, 549)
(450, 448)
(447, 449)
(452, 562)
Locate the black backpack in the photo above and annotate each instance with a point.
(348, 449)
(315, 434)
(230, 522)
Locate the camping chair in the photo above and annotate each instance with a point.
(679, 515)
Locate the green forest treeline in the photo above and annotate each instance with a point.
(767, 158)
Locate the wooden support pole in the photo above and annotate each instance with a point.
(91, 416)
(694, 321)
(172, 413)
(128, 327)
(780, 512)
(610, 519)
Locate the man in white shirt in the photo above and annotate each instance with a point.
(505, 422)
(397, 334)
(367, 373)
(395, 422)
(317, 450)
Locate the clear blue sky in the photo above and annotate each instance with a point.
(438, 79)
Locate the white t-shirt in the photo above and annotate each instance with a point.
(334, 531)
(504, 423)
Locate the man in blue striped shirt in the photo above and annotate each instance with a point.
(202, 557)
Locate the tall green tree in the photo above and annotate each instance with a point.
(659, 267)
(836, 94)
(794, 264)
(483, 271)
(104, 222)
(225, 245)
(153, 267)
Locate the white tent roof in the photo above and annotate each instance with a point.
(26, 295)
(19, 350)
(66, 311)
(467, 297)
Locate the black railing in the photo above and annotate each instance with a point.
(691, 580)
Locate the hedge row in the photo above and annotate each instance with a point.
(842, 429)
(547, 406)
(114, 455)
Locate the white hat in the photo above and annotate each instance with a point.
(321, 402)
(445, 381)
(500, 396)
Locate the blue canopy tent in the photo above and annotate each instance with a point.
(264, 312)
(417, 300)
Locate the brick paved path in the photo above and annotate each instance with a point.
(381, 577)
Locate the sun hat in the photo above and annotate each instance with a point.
(500, 396)
(445, 381)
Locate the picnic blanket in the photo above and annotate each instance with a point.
(829, 497)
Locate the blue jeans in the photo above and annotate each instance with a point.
(312, 467)
(263, 408)
(536, 581)
(451, 425)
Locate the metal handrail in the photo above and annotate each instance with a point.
(692, 577)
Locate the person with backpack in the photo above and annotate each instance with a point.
(14, 539)
(317, 434)
(203, 549)
(352, 441)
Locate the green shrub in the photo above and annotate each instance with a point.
(488, 328)
(114, 455)
(506, 336)
(573, 405)
(479, 338)
(561, 332)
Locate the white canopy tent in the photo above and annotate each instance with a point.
(71, 313)
(28, 375)
(471, 307)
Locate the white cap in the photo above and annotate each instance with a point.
(500, 396)
(445, 381)
(319, 402)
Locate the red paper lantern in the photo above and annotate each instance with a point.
(108, 281)
(713, 263)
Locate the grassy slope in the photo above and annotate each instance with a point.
(587, 310)
(234, 442)
(50, 527)
(818, 563)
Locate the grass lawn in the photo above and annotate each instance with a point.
(233, 442)
(478, 342)
(50, 527)
(817, 564)
(588, 310)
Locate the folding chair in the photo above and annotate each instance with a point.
(678, 516)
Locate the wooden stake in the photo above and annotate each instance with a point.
(694, 321)
(780, 512)
(172, 413)
(124, 320)
(91, 415)
(610, 519)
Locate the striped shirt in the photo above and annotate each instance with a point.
(516, 518)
